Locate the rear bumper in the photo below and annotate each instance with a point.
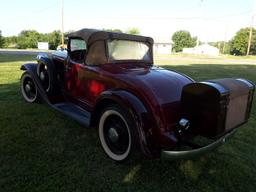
(175, 155)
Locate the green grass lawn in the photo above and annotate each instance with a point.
(42, 150)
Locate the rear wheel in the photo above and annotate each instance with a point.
(28, 88)
(117, 133)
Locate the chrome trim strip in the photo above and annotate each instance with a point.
(250, 84)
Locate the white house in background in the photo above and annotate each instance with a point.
(43, 45)
(204, 49)
(162, 46)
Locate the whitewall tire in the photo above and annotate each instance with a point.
(116, 133)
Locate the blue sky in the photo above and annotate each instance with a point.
(210, 20)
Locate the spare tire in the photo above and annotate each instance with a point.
(48, 76)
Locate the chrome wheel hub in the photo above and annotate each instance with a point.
(42, 76)
(113, 135)
(27, 88)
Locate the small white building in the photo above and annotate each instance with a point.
(43, 45)
(163, 46)
(204, 49)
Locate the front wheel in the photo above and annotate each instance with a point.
(117, 133)
(28, 88)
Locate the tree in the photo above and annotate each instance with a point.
(10, 41)
(28, 39)
(113, 30)
(1, 40)
(133, 31)
(239, 43)
(54, 39)
(223, 46)
(182, 39)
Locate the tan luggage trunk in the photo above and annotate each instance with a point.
(215, 107)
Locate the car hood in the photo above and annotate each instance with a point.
(164, 85)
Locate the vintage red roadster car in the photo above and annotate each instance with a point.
(108, 80)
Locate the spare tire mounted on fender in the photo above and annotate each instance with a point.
(47, 74)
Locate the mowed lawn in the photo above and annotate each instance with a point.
(42, 150)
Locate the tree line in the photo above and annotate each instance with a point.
(181, 39)
(236, 46)
(29, 38)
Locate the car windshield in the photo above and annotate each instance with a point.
(128, 50)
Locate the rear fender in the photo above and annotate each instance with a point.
(139, 112)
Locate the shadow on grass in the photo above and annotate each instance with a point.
(16, 57)
(42, 150)
(210, 71)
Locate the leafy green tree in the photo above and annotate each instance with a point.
(113, 30)
(28, 39)
(182, 39)
(133, 31)
(54, 39)
(1, 40)
(239, 43)
(227, 48)
(223, 46)
(44, 37)
(10, 41)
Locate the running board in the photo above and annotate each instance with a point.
(75, 112)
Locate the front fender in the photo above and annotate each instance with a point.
(141, 115)
(44, 57)
(31, 68)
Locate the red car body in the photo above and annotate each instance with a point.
(161, 108)
(151, 94)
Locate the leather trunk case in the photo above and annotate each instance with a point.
(215, 107)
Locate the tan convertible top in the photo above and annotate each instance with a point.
(92, 35)
(95, 40)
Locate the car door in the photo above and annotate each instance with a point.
(83, 84)
(74, 62)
